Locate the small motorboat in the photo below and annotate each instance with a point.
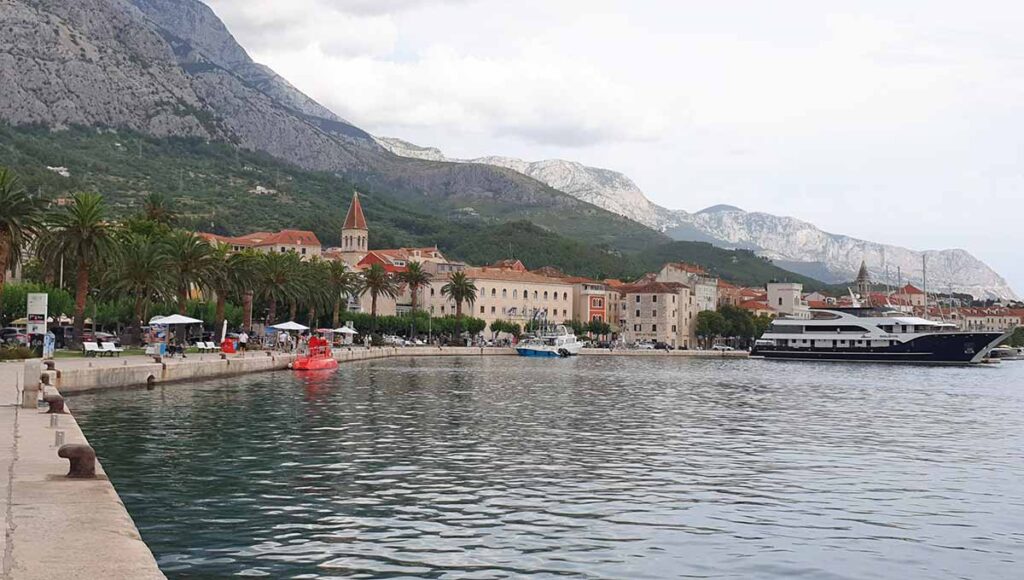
(560, 342)
(319, 358)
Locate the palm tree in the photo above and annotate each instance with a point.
(245, 280)
(378, 282)
(342, 284)
(222, 279)
(157, 209)
(279, 279)
(460, 289)
(316, 292)
(415, 277)
(192, 262)
(138, 269)
(20, 219)
(80, 232)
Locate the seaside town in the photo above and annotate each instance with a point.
(677, 308)
(439, 290)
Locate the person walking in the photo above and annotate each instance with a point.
(243, 342)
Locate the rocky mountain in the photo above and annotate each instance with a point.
(793, 244)
(170, 68)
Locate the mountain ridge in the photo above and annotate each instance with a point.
(801, 246)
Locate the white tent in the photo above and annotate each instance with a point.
(173, 319)
(345, 330)
(289, 326)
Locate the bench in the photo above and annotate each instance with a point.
(110, 348)
(93, 349)
(205, 346)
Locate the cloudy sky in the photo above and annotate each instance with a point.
(898, 122)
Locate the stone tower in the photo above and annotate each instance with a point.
(354, 234)
(863, 283)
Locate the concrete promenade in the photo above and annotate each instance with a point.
(60, 528)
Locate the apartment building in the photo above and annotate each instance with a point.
(663, 312)
(302, 242)
(508, 291)
(703, 285)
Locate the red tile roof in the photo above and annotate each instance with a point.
(909, 289)
(260, 239)
(690, 268)
(355, 219)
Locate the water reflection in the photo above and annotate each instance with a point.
(607, 468)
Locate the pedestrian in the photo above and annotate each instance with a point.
(282, 340)
(243, 341)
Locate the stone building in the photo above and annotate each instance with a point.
(703, 285)
(663, 312)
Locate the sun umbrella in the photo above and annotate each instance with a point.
(345, 330)
(289, 326)
(173, 319)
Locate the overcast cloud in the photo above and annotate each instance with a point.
(898, 122)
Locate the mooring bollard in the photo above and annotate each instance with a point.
(56, 403)
(30, 390)
(82, 458)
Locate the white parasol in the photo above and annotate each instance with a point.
(290, 325)
(173, 319)
(345, 330)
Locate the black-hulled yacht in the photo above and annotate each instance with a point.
(873, 335)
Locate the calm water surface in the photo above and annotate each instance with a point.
(599, 468)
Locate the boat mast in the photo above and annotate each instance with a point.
(924, 276)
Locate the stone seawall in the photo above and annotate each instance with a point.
(89, 375)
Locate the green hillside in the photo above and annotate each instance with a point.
(222, 189)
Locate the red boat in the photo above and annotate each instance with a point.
(320, 357)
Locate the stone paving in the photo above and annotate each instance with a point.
(56, 527)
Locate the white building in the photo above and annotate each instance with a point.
(787, 299)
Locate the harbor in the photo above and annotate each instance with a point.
(506, 466)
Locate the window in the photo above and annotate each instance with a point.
(673, 299)
(565, 295)
(282, 249)
(638, 314)
(504, 292)
(494, 292)
(492, 310)
(535, 295)
(673, 328)
(431, 290)
(637, 298)
(654, 328)
(780, 300)
(303, 251)
(654, 298)
(545, 295)
(556, 296)
(526, 294)
(515, 294)
(481, 310)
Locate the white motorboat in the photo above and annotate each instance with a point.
(560, 342)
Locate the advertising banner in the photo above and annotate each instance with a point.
(37, 306)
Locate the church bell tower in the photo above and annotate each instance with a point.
(354, 234)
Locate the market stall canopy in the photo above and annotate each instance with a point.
(345, 330)
(173, 319)
(290, 325)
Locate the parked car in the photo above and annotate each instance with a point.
(722, 347)
(11, 335)
(662, 346)
(646, 346)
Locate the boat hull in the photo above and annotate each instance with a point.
(314, 364)
(548, 352)
(946, 348)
